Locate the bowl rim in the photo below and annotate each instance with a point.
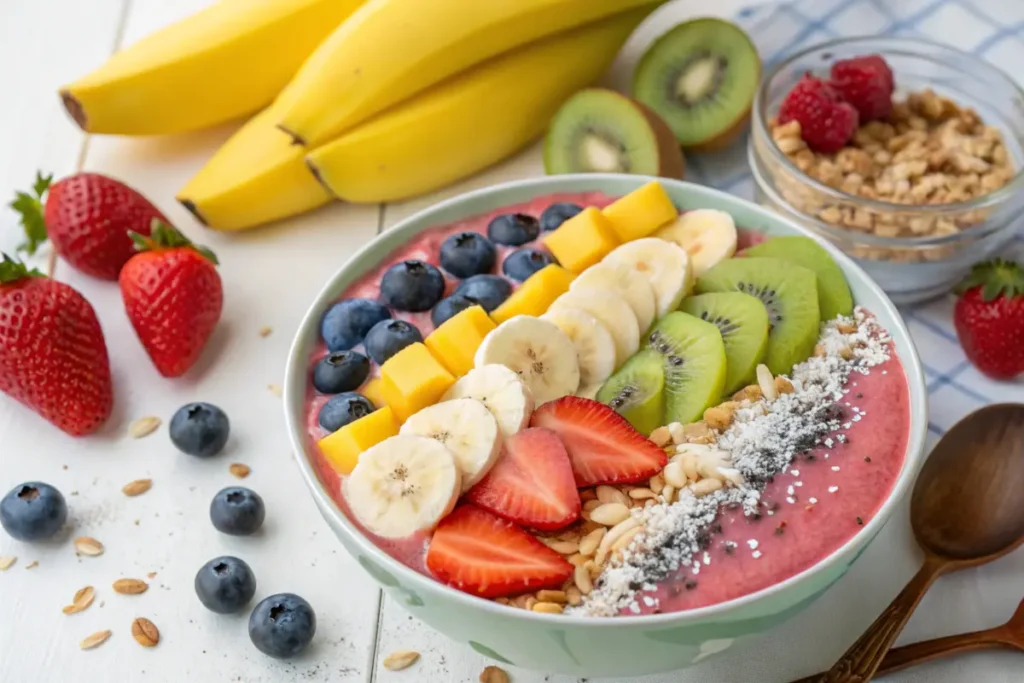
(305, 338)
(987, 200)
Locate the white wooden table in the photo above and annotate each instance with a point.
(270, 277)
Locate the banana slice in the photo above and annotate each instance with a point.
(665, 264)
(501, 391)
(637, 291)
(403, 485)
(466, 428)
(707, 235)
(611, 310)
(595, 347)
(542, 355)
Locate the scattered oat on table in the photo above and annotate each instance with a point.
(239, 470)
(130, 586)
(83, 598)
(145, 633)
(151, 575)
(95, 640)
(32, 565)
(144, 426)
(266, 330)
(87, 545)
(6, 562)
(275, 390)
(137, 487)
(402, 659)
(493, 674)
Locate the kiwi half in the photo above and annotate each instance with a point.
(602, 131)
(637, 391)
(834, 296)
(700, 77)
(693, 357)
(743, 323)
(789, 293)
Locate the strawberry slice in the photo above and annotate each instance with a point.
(532, 483)
(484, 555)
(603, 447)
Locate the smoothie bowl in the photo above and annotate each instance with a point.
(604, 425)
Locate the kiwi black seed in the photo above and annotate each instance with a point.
(788, 292)
(743, 322)
(637, 391)
(700, 77)
(602, 131)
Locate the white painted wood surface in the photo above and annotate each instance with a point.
(270, 276)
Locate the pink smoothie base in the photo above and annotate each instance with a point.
(796, 536)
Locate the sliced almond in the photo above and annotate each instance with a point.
(83, 598)
(137, 487)
(766, 381)
(6, 562)
(95, 640)
(610, 514)
(145, 633)
(87, 545)
(32, 565)
(239, 470)
(144, 426)
(130, 586)
(493, 674)
(402, 659)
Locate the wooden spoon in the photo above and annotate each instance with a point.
(1008, 636)
(966, 510)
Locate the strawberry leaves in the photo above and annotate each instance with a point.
(995, 278)
(163, 236)
(30, 209)
(12, 271)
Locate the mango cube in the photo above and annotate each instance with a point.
(641, 212)
(455, 342)
(582, 241)
(412, 380)
(536, 295)
(372, 391)
(343, 448)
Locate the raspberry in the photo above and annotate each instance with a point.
(867, 84)
(827, 123)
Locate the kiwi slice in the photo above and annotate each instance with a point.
(693, 356)
(601, 131)
(834, 296)
(701, 77)
(743, 323)
(790, 294)
(637, 391)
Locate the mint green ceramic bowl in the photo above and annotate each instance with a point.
(580, 646)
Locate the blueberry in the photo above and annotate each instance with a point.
(468, 253)
(513, 229)
(200, 429)
(225, 584)
(451, 306)
(388, 337)
(489, 290)
(33, 511)
(347, 322)
(282, 625)
(523, 263)
(340, 371)
(558, 213)
(412, 286)
(237, 511)
(343, 409)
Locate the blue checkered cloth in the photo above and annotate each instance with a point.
(992, 29)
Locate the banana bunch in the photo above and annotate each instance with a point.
(358, 100)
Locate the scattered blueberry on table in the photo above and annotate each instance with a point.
(200, 429)
(346, 323)
(489, 290)
(33, 511)
(513, 229)
(225, 584)
(282, 625)
(451, 306)
(388, 337)
(340, 371)
(468, 253)
(237, 511)
(558, 213)
(343, 409)
(412, 286)
(521, 264)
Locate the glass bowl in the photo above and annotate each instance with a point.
(914, 251)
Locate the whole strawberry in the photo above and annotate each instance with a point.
(989, 318)
(866, 83)
(53, 357)
(173, 297)
(827, 122)
(87, 216)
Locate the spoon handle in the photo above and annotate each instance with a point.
(861, 661)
